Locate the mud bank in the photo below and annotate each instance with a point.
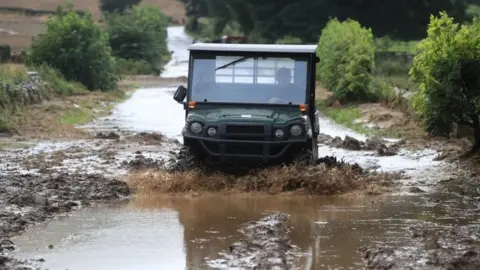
(434, 248)
(381, 146)
(30, 199)
(265, 245)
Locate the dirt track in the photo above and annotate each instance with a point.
(45, 178)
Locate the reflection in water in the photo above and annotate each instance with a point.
(107, 238)
(329, 229)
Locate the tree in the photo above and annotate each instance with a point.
(117, 5)
(272, 20)
(77, 47)
(446, 70)
(346, 51)
(139, 34)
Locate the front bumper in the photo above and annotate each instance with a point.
(244, 145)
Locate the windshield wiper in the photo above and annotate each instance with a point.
(233, 62)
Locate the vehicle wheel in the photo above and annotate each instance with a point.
(186, 160)
(307, 156)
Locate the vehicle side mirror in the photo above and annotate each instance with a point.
(180, 94)
(317, 59)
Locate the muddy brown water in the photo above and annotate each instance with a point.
(180, 233)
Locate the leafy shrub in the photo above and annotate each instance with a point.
(446, 70)
(78, 48)
(139, 34)
(347, 55)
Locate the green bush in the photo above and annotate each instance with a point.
(139, 34)
(446, 70)
(347, 55)
(78, 48)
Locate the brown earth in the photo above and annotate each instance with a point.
(18, 29)
(51, 119)
(172, 8)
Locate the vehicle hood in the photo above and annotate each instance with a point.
(270, 115)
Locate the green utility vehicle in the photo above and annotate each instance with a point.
(250, 103)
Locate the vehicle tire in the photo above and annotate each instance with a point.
(186, 160)
(307, 156)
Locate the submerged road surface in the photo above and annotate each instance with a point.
(189, 233)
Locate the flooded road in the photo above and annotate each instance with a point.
(179, 233)
(191, 233)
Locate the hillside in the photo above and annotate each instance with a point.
(17, 29)
(172, 8)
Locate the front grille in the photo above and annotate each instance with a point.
(244, 149)
(245, 129)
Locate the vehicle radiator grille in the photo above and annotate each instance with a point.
(245, 129)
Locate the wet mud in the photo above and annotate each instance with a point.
(265, 245)
(434, 248)
(381, 146)
(29, 199)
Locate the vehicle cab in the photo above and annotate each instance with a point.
(246, 102)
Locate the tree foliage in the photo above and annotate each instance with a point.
(78, 48)
(446, 69)
(117, 5)
(273, 19)
(139, 34)
(346, 51)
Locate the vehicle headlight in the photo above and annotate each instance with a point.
(212, 131)
(296, 130)
(279, 133)
(196, 127)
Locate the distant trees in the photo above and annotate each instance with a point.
(273, 19)
(117, 5)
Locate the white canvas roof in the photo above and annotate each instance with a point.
(253, 48)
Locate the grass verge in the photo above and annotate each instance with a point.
(87, 109)
(344, 116)
(54, 107)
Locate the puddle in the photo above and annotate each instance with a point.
(148, 110)
(184, 233)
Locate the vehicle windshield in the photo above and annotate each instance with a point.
(246, 79)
